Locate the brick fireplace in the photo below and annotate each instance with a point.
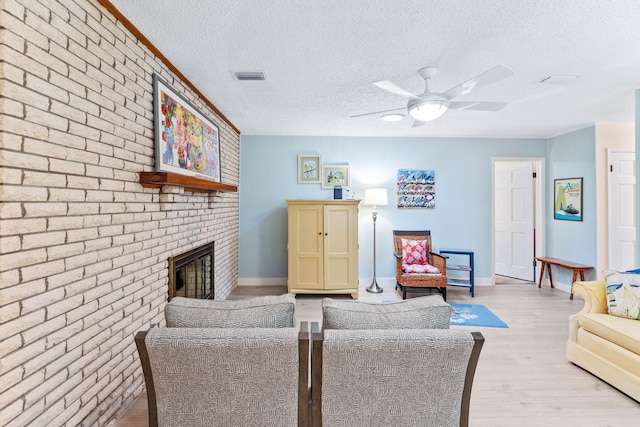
(191, 273)
(83, 259)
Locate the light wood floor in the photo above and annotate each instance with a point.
(522, 378)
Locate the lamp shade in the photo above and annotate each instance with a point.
(375, 197)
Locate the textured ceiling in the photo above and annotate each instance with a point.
(320, 58)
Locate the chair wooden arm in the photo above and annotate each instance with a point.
(148, 378)
(478, 339)
(316, 374)
(304, 393)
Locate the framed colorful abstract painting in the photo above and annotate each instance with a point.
(416, 188)
(186, 141)
(567, 199)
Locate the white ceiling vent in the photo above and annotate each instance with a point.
(560, 79)
(244, 76)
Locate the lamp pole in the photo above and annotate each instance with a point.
(373, 287)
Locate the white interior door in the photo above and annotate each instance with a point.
(514, 220)
(622, 210)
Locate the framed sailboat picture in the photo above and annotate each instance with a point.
(567, 199)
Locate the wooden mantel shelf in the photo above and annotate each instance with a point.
(158, 179)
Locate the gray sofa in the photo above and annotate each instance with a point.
(242, 363)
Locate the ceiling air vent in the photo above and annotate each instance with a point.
(249, 75)
(559, 79)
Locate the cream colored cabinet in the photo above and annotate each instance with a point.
(323, 247)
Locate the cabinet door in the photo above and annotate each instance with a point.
(306, 247)
(340, 247)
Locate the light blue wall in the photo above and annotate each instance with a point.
(462, 217)
(573, 155)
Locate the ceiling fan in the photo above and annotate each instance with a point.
(431, 105)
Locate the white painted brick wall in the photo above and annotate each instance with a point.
(84, 248)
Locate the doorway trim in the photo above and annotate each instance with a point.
(610, 153)
(539, 202)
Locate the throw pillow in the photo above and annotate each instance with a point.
(429, 312)
(414, 251)
(259, 312)
(623, 294)
(420, 269)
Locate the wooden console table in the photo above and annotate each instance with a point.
(577, 268)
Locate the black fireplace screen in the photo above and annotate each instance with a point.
(191, 273)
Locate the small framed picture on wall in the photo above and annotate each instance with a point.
(308, 169)
(335, 174)
(567, 199)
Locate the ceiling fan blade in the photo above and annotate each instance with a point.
(477, 105)
(395, 89)
(491, 76)
(379, 112)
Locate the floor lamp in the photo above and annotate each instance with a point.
(375, 197)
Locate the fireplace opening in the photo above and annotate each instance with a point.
(191, 274)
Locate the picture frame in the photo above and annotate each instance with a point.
(309, 169)
(416, 188)
(335, 174)
(567, 199)
(187, 142)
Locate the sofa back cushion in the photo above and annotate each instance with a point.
(623, 294)
(259, 312)
(429, 312)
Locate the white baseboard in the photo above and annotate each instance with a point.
(557, 285)
(258, 281)
(282, 281)
(484, 281)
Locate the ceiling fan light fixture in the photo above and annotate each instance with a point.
(428, 110)
(394, 117)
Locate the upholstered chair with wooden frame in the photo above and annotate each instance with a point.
(227, 363)
(392, 377)
(226, 376)
(416, 271)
